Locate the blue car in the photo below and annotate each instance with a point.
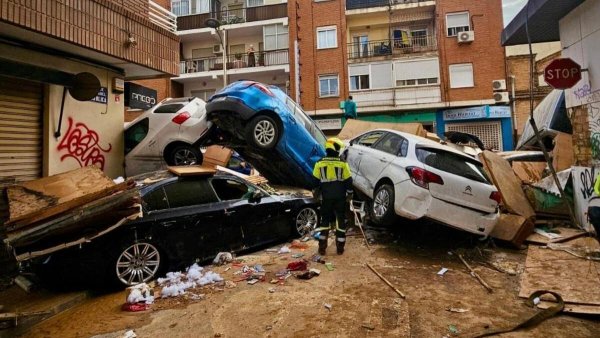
(269, 130)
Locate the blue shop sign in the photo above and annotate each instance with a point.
(102, 96)
(480, 112)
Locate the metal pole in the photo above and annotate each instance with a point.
(224, 42)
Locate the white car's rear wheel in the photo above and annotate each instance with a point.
(382, 208)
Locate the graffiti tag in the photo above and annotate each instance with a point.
(586, 177)
(582, 92)
(83, 144)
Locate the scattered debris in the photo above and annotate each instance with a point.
(223, 258)
(298, 255)
(24, 283)
(327, 306)
(318, 259)
(456, 310)
(284, 249)
(135, 307)
(297, 265)
(253, 281)
(271, 290)
(453, 329)
(175, 283)
(140, 293)
(230, 285)
(386, 281)
(368, 327)
(474, 274)
(442, 271)
(296, 244)
(329, 266)
(129, 334)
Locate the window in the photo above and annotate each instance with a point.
(203, 94)
(457, 22)
(417, 72)
(275, 37)
(180, 7)
(254, 3)
(358, 82)
(461, 75)
(184, 193)
(360, 46)
(202, 53)
(326, 37)
(168, 108)
(328, 85)
(419, 37)
(390, 143)
(452, 163)
(200, 6)
(136, 134)
(369, 139)
(308, 123)
(228, 189)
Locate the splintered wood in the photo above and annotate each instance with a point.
(575, 279)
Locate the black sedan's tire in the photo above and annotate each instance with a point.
(263, 132)
(305, 221)
(137, 263)
(184, 155)
(382, 206)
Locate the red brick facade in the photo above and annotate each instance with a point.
(485, 52)
(305, 16)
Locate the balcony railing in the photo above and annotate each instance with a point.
(394, 97)
(236, 61)
(231, 16)
(356, 4)
(415, 44)
(162, 17)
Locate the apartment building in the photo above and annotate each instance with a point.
(427, 61)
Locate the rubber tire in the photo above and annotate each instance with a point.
(116, 251)
(250, 132)
(195, 151)
(295, 231)
(390, 215)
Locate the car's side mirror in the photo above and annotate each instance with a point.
(256, 196)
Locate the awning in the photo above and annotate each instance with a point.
(550, 116)
(543, 21)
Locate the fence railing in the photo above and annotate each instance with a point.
(356, 4)
(414, 44)
(236, 61)
(162, 17)
(232, 16)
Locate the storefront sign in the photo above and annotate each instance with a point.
(139, 97)
(102, 96)
(329, 124)
(480, 112)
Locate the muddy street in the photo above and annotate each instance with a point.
(348, 301)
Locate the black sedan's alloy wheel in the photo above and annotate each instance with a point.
(138, 263)
(306, 221)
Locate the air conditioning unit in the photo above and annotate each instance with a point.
(466, 37)
(217, 49)
(501, 97)
(499, 85)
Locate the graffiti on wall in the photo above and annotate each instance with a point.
(583, 185)
(83, 144)
(594, 123)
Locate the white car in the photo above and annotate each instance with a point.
(169, 133)
(413, 177)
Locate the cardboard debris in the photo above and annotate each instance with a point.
(529, 172)
(216, 156)
(192, 170)
(575, 279)
(562, 154)
(42, 198)
(502, 175)
(354, 128)
(512, 228)
(565, 234)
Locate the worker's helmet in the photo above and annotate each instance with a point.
(334, 144)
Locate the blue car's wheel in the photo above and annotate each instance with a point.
(263, 132)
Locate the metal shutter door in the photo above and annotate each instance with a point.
(490, 133)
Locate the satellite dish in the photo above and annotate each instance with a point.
(84, 86)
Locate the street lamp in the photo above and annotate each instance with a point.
(216, 24)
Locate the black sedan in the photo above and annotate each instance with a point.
(189, 219)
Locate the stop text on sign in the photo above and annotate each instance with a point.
(562, 73)
(552, 74)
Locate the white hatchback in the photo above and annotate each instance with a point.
(169, 133)
(413, 177)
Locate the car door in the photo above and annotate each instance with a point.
(187, 218)
(360, 156)
(258, 221)
(464, 181)
(140, 149)
(298, 136)
(379, 157)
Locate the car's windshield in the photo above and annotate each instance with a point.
(452, 163)
(169, 108)
(136, 134)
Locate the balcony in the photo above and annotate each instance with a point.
(236, 61)
(396, 97)
(358, 4)
(233, 16)
(392, 47)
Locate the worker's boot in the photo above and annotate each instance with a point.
(323, 242)
(340, 243)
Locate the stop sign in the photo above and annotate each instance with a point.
(562, 73)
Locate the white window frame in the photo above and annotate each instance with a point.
(327, 29)
(179, 2)
(276, 35)
(329, 77)
(456, 32)
(360, 89)
(248, 3)
(453, 79)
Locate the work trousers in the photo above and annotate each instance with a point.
(332, 209)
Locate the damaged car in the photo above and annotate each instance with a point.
(268, 129)
(186, 219)
(406, 175)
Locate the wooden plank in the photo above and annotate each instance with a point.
(529, 172)
(562, 154)
(565, 233)
(32, 197)
(192, 170)
(512, 228)
(217, 156)
(504, 178)
(575, 279)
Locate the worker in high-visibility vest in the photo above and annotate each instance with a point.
(336, 191)
(594, 210)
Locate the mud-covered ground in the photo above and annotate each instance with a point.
(361, 304)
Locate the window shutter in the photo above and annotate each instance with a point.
(381, 75)
(418, 69)
(457, 20)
